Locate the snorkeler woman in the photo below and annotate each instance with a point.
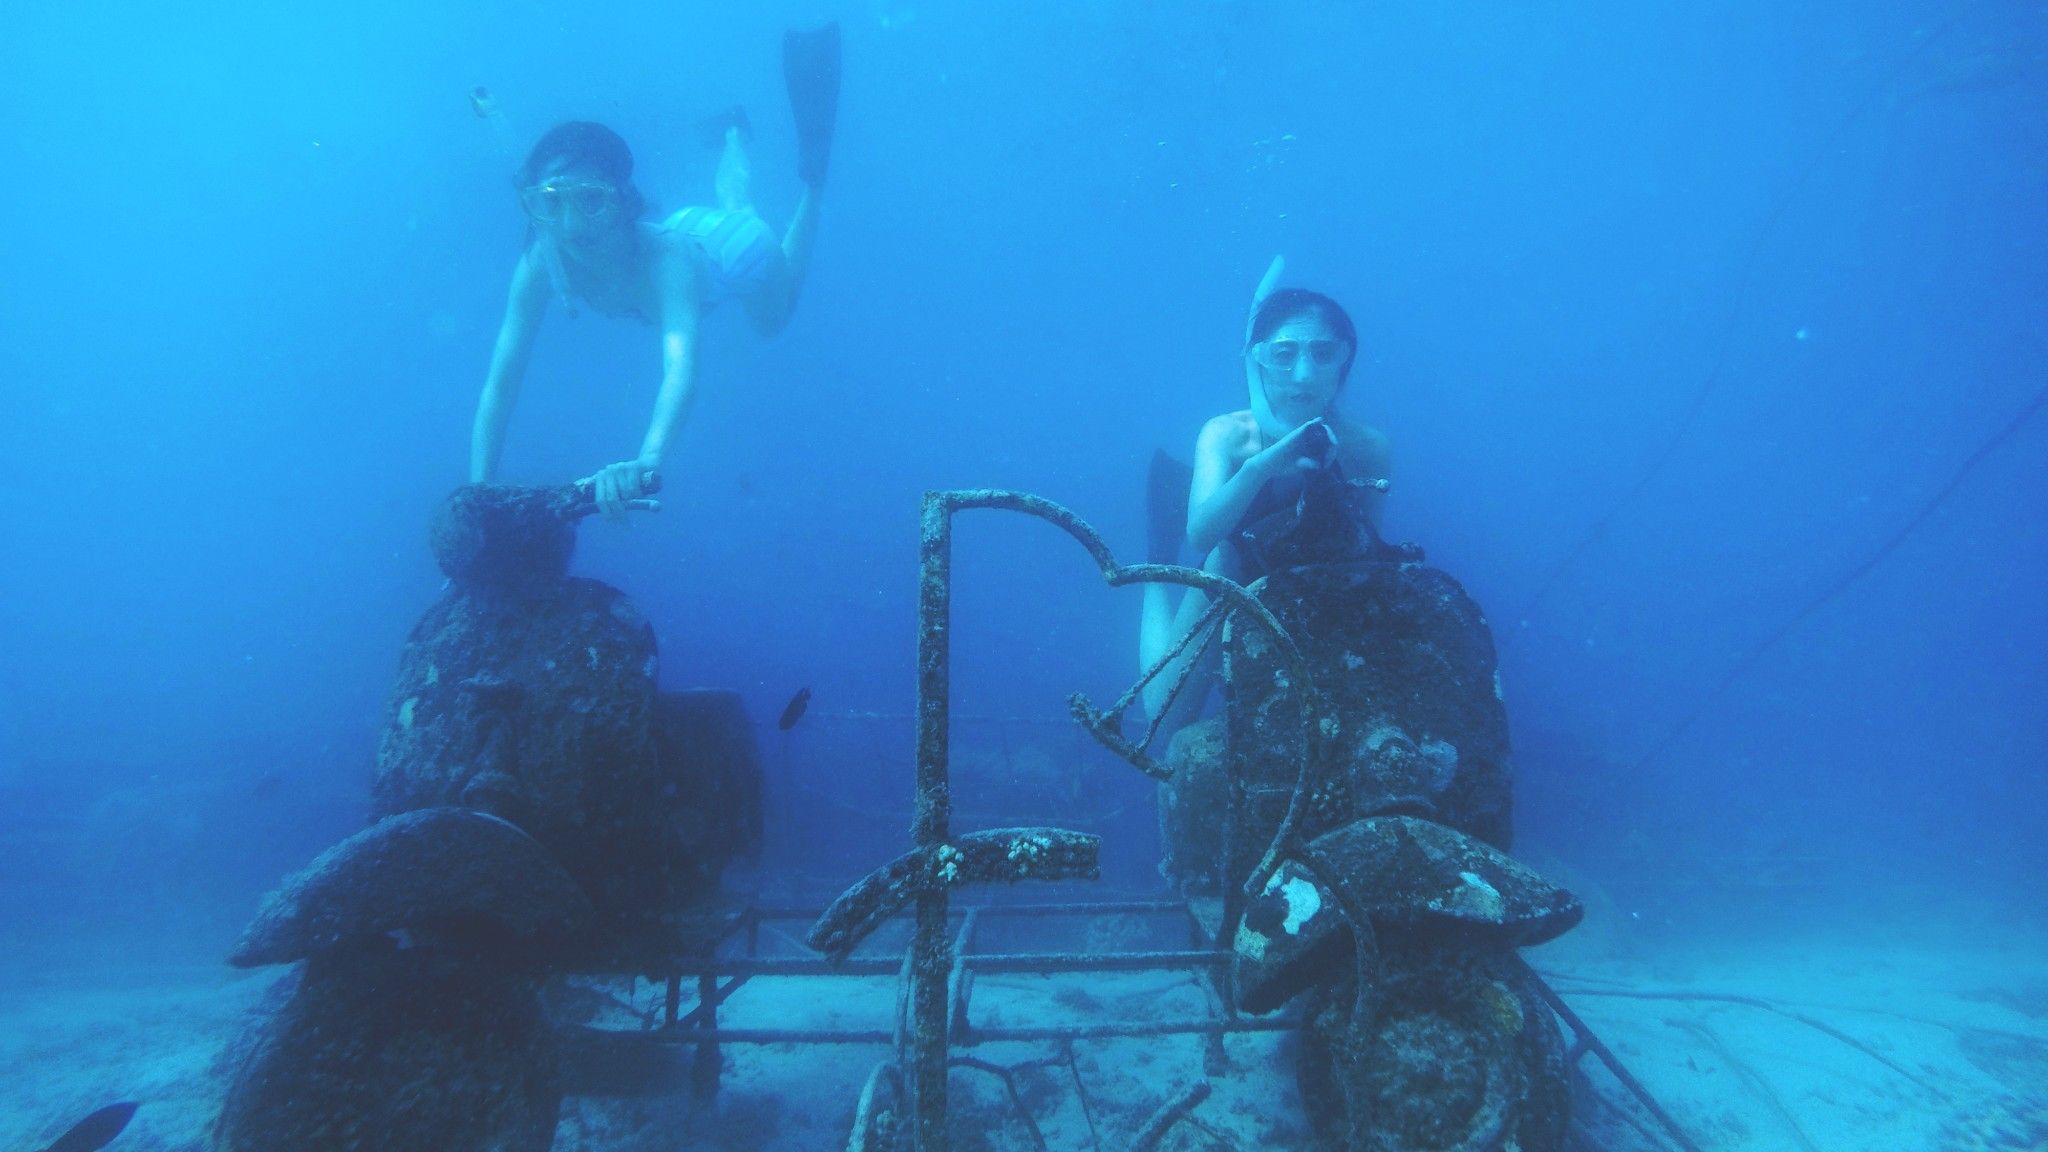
(588, 245)
(1300, 347)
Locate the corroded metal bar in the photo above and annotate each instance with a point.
(960, 981)
(1182, 1103)
(877, 1097)
(1007, 908)
(1132, 1028)
(1056, 963)
(1009, 1079)
(930, 825)
(998, 1035)
(996, 855)
(929, 871)
(709, 1062)
(1030, 963)
(708, 1009)
(1585, 1035)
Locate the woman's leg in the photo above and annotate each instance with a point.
(772, 306)
(735, 180)
(1161, 626)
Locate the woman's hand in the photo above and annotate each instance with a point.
(1305, 449)
(621, 487)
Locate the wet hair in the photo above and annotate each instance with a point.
(1293, 304)
(585, 144)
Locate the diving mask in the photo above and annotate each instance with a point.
(549, 200)
(1285, 355)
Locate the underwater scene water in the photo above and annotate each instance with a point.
(1679, 788)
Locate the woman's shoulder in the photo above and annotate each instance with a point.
(1230, 429)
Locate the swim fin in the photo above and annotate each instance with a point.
(95, 1131)
(1166, 508)
(810, 68)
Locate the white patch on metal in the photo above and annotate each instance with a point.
(1302, 904)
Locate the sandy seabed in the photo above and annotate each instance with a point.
(1931, 1036)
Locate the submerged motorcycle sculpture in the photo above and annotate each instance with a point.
(1393, 910)
(540, 808)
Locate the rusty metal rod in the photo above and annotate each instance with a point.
(960, 981)
(1050, 1032)
(1126, 1029)
(709, 1006)
(1005, 908)
(1033, 963)
(1009, 1079)
(877, 1097)
(1182, 1103)
(930, 826)
(1607, 1057)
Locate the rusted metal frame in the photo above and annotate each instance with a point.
(1210, 628)
(1586, 1039)
(1128, 1029)
(877, 1098)
(1209, 616)
(899, 1023)
(1006, 908)
(1242, 599)
(1306, 703)
(1215, 985)
(709, 1060)
(1118, 575)
(1180, 1105)
(1009, 1080)
(982, 1035)
(960, 982)
(1107, 727)
(697, 1016)
(1081, 1093)
(1059, 963)
(994, 855)
(1081, 908)
(1029, 963)
(928, 960)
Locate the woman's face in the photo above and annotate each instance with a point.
(573, 203)
(1301, 366)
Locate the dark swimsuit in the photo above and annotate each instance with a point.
(1327, 520)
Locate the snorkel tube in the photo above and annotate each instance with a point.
(1270, 426)
(506, 138)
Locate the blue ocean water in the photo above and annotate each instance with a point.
(1675, 316)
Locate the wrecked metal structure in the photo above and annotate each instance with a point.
(540, 808)
(543, 810)
(1362, 857)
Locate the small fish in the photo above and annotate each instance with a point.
(95, 1131)
(794, 711)
(480, 102)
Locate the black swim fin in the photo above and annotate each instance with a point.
(95, 1131)
(810, 68)
(1166, 508)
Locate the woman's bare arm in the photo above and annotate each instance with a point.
(680, 312)
(1223, 490)
(675, 282)
(525, 304)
